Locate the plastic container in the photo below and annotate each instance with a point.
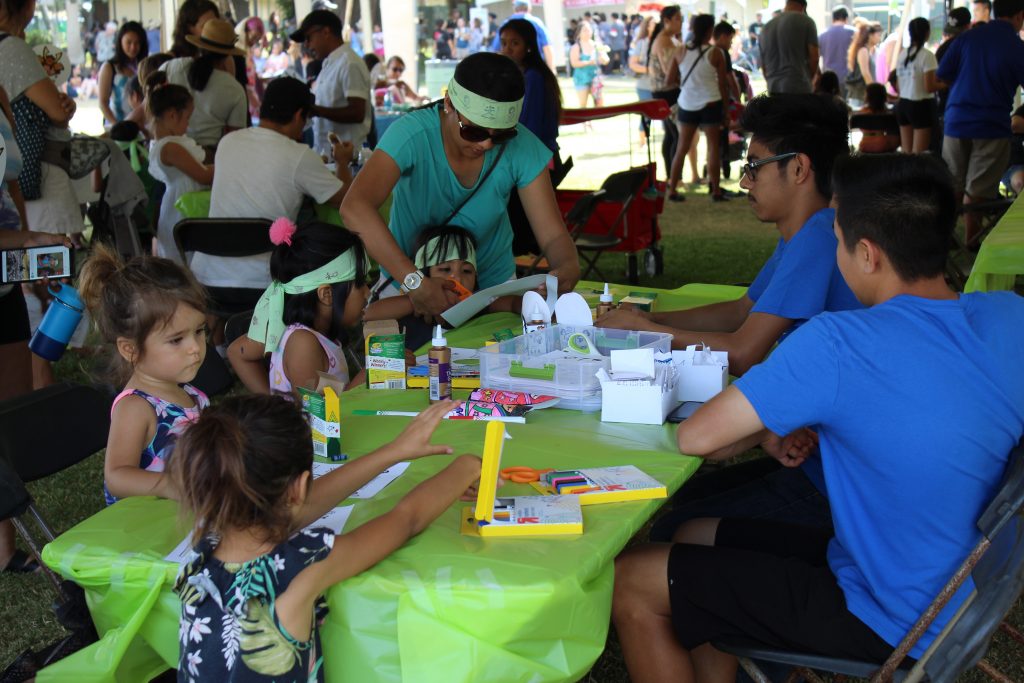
(58, 325)
(537, 363)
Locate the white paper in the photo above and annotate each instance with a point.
(181, 551)
(322, 468)
(372, 487)
(378, 483)
(334, 519)
(464, 310)
(573, 309)
(632, 363)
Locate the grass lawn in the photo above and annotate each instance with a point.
(702, 242)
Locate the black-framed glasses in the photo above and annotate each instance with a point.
(749, 169)
(472, 133)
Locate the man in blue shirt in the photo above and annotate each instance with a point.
(915, 403)
(833, 45)
(521, 10)
(984, 67)
(796, 139)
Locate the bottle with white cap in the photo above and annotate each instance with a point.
(439, 359)
(605, 304)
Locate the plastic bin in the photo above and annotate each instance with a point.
(536, 363)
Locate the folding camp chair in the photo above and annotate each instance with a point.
(887, 124)
(996, 565)
(579, 215)
(619, 188)
(41, 434)
(225, 237)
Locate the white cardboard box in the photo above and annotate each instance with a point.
(700, 382)
(646, 395)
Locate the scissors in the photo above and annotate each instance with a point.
(523, 475)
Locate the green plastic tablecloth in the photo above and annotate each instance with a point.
(445, 607)
(197, 205)
(1001, 257)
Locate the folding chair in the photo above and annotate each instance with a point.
(996, 565)
(619, 188)
(579, 215)
(225, 237)
(31, 449)
(887, 124)
(236, 326)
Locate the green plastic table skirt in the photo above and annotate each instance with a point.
(197, 205)
(445, 607)
(1001, 257)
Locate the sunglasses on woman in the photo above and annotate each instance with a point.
(471, 133)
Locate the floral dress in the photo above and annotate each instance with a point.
(171, 421)
(229, 629)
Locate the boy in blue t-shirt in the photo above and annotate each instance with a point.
(796, 139)
(915, 402)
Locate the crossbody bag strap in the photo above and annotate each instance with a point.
(501, 152)
(700, 55)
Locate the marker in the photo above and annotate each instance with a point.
(387, 413)
(479, 418)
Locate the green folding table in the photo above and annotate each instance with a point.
(1001, 257)
(445, 607)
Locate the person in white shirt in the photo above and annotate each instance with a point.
(265, 172)
(343, 86)
(915, 73)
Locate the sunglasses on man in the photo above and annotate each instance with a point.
(473, 133)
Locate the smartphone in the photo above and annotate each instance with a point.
(684, 411)
(35, 263)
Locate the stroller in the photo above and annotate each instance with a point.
(119, 216)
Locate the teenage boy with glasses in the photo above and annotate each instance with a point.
(915, 401)
(796, 139)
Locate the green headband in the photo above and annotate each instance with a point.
(267, 325)
(483, 111)
(424, 257)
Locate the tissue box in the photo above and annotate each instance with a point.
(385, 355)
(702, 381)
(637, 390)
(323, 406)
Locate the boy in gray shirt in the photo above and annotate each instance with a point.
(789, 50)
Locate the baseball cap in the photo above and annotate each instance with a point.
(958, 19)
(316, 19)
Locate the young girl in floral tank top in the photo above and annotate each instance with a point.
(153, 313)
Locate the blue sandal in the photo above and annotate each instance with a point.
(21, 563)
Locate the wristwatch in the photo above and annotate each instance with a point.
(411, 281)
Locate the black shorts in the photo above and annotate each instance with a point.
(917, 113)
(766, 583)
(710, 115)
(14, 325)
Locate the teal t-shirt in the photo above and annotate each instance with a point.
(428, 190)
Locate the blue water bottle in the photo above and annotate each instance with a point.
(58, 325)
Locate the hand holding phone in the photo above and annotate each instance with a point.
(36, 263)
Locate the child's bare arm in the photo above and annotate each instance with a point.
(177, 156)
(302, 359)
(392, 307)
(361, 549)
(414, 442)
(247, 358)
(132, 427)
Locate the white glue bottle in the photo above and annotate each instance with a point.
(439, 359)
(605, 304)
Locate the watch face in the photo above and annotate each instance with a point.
(413, 280)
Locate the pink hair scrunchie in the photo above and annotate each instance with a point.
(281, 231)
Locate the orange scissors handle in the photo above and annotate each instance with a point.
(522, 475)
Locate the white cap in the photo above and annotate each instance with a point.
(439, 339)
(536, 315)
(606, 298)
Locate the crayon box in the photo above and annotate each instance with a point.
(385, 355)
(323, 406)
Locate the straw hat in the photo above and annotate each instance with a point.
(218, 36)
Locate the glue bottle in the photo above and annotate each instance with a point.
(605, 304)
(440, 360)
(535, 323)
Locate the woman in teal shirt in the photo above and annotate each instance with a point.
(432, 159)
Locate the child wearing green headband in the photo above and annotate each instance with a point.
(318, 289)
(447, 252)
